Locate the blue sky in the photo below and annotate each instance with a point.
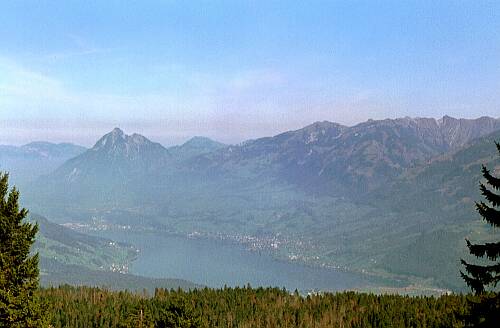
(232, 70)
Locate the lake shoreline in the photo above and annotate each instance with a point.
(357, 280)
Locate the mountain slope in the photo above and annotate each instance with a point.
(67, 247)
(437, 199)
(447, 184)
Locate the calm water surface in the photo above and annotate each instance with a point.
(217, 263)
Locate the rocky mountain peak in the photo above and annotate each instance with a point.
(321, 132)
(110, 139)
(446, 120)
(324, 126)
(117, 131)
(117, 143)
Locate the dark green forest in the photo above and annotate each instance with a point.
(247, 307)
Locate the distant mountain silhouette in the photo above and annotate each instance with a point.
(193, 147)
(28, 162)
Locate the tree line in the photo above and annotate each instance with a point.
(247, 307)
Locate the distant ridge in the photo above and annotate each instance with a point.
(330, 156)
(324, 154)
(195, 146)
(28, 162)
(42, 149)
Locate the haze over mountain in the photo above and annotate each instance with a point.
(323, 195)
(195, 146)
(26, 163)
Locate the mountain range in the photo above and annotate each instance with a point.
(27, 162)
(326, 192)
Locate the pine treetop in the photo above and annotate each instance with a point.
(480, 276)
(18, 270)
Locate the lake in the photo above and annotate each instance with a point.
(216, 263)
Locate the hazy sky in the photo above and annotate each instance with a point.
(232, 70)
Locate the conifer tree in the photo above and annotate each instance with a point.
(178, 315)
(19, 306)
(485, 311)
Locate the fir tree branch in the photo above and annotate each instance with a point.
(492, 181)
(475, 284)
(487, 273)
(493, 198)
(489, 214)
(491, 250)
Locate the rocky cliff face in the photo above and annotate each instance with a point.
(459, 132)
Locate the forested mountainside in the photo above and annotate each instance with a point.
(323, 195)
